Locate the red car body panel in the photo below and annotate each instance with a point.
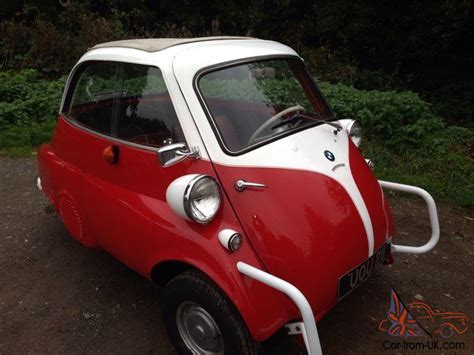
(305, 226)
(317, 236)
(122, 209)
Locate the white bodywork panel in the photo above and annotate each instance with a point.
(175, 194)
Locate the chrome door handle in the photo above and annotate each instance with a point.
(240, 185)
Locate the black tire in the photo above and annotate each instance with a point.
(192, 287)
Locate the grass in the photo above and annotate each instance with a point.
(21, 140)
(446, 171)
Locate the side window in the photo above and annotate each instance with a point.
(92, 99)
(145, 113)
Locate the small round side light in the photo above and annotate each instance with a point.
(235, 242)
(230, 239)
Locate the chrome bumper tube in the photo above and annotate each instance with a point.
(433, 214)
(309, 330)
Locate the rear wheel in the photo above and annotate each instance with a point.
(201, 320)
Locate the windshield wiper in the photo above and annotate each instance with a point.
(299, 116)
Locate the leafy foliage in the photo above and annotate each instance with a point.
(397, 118)
(25, 99)
(28, 108)
(372, 45)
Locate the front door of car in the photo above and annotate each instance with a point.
(128, 117)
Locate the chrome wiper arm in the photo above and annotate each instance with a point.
(334, 124)
(295, 118)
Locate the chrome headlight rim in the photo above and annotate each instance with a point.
(188, 209)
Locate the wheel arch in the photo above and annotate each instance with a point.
(164, 271)
(247, 296)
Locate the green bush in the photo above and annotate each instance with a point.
(26, 99)
(396, 118)
(23, 138)
(28, 109)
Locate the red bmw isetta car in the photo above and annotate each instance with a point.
(214, 167)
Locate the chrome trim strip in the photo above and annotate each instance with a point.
(337, 166)
(187, 195)
(105, 136)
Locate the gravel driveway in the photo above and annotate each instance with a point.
(59, 297)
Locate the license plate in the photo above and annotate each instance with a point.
(359, 274)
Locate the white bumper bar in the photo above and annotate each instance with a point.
(309, 330)
(38, 184)
(431, 211)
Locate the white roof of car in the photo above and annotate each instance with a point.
(158, 44)
(190, 54)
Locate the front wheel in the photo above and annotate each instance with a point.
(201, 320)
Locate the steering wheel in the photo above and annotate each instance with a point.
(272, 120)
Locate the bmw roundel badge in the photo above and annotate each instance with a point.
(329, 155)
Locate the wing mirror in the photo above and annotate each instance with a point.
(173, 153)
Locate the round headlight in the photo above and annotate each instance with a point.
(202, 199)
(354, 131)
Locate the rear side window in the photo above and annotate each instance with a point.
(145, 113)
(126, 101)
(94, 94)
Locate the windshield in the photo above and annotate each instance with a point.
(256, 102)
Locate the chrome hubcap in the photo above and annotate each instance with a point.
(198, 329)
